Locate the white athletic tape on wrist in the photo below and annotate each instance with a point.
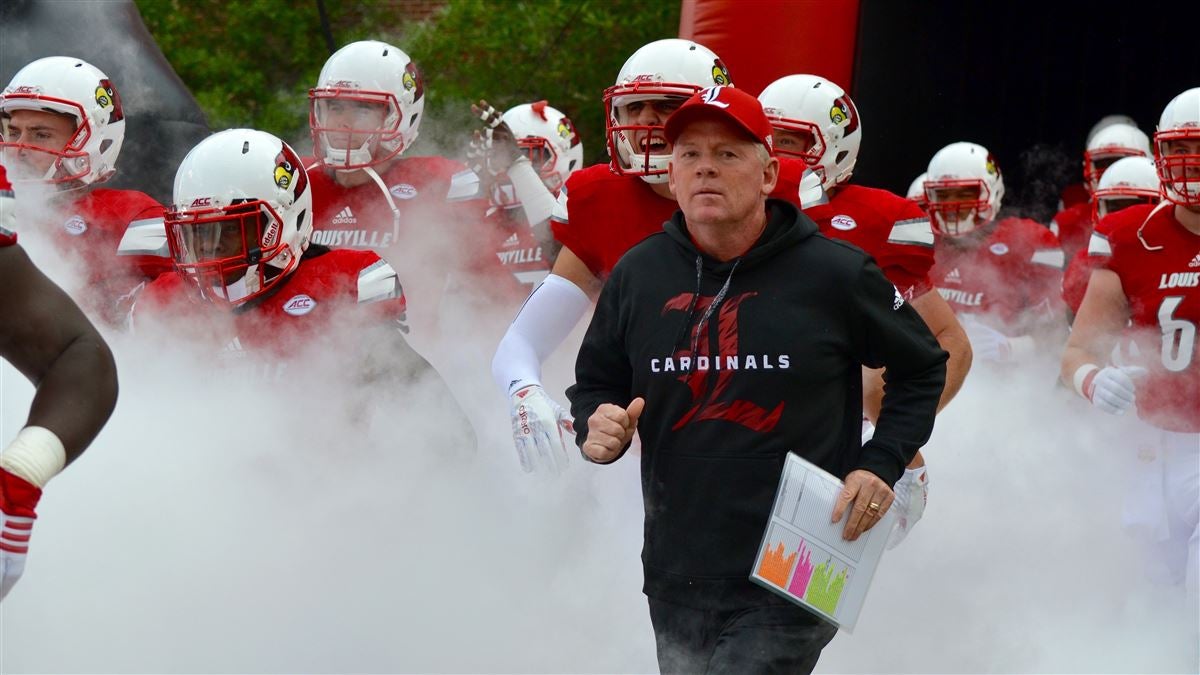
(36, 455)
(1081, 376)
(536, 199)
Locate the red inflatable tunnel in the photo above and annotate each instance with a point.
(763, 40)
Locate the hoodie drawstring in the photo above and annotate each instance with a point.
(708, 313)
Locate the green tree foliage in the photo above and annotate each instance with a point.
(250, 63)
(565, 51)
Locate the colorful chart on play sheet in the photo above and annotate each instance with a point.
(803, 556)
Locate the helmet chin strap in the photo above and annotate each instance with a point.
(242, 287)
(370, 171)
(335, 157)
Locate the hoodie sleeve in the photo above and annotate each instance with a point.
(602, 370)
(890, 334)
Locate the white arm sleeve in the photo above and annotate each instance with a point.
(535, 197)
(547, 317)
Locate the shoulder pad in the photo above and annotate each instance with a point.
(145, 237)
(917, 231)
(1098, 246)
(464, 185)
(812, 192)
(377, 282)
(1050, 257)
(560, 207)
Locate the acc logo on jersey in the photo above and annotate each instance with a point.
(720, 73)
(998, 248)
(299, 305)
(843, 223)
(403, 191)
(75, 225)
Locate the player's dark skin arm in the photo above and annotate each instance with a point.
(45, 336)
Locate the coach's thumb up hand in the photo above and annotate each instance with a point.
(610, 429)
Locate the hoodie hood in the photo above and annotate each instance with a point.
(786, 226)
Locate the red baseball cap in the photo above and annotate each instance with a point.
(733, 104)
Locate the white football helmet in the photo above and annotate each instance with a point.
(1179, 167)
(1107, 146)
(366, 107)
(549, 139)
(241, 215)
(62, 84)
(1107, 121)
(955, 170)
(916, 191)
(665, 69)
(820, 109)
(1129, 181)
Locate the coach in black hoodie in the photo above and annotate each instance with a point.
(741, 333)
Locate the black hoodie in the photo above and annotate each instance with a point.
(791, 322)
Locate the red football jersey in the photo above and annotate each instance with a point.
(7, 205)
(313, 302)
(892, 229)
(1075, 193)
(604, 215)
(439, 233)
(1079, 269)
(1158, 262)
(87, 230)
(1073, 226)
(1007, 271)
(518, 250)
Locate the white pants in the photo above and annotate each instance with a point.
(1162, 507)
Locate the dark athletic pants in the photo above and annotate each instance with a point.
(773, 639)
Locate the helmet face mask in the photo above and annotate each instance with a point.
(52, 94)
(354, 127)
(957, 206)
(662, 74)
(225, 250)
(1178, 164)
(964, 188)
(366, 108)
(1108, 145)
(1128, 182)
(1177, 149)
(241, 216)
(637, 148)
(45, 145)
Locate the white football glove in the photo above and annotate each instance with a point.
(912, 491)
(989, 344)
(540, 429)
(1112, 389)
